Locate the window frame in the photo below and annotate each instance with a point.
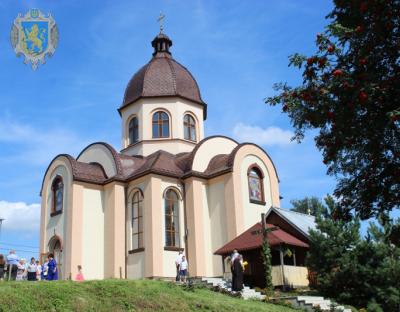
(160, 122)
(135, 130)
(54, 188)
(173, 231)
(256, 168)
(137, 199)
(191, 125)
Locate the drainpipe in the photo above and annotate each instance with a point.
(126, 216)
(185, 218)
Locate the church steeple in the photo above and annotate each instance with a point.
(161, 44)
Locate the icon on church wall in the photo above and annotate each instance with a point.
(255, 189)
(34, 35)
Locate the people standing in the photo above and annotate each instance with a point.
(32, 270)
(237, 274)
(21, 270)
(177, 264)
(38, 271)
(45, 269)
(183, 269)
(79, 277)
(12, 265)
(52, 273)
(2, 267)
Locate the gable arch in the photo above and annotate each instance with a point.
(208, 148)
(248, 149)
(103, 154)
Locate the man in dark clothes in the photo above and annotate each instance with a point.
(237, 274)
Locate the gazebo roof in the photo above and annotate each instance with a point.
(252, 239)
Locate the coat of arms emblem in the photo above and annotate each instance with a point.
(34, 35)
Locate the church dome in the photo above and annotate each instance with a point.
(162, 76)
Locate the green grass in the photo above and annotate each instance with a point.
(120, 295)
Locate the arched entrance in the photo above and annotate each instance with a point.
(55, 247)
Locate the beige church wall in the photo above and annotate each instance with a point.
(252, 212)
(195, 224)
(214, 196)
(235, 192)
(98, 153)
(135, 265)
(114, 230)
(210, 148)
(176, 108)
(55, 226)
(153, 218)
(93, 233)
(169, 257)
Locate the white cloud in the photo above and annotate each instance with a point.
(262, 136)
(37, 146)
(20, 216)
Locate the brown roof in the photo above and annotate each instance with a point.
(252, 239)
(162, 76)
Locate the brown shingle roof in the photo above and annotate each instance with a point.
(162, 76)
(252, 239)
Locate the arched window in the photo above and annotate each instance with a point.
(137, 220)
(256, 189)
(57, 189)
(133, 130)
(160, 125)
(171, 219)
(189, 126)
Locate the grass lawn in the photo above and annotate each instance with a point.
(120, 295)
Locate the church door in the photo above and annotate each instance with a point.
(55, 248)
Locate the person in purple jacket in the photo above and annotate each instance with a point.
(52, 273)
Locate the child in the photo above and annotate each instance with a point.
(79, 277)
(45, 269)
(183, 269)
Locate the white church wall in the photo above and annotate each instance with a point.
(176, 108)
(93, 234)
(210, 148)
(98, 153)
(135, 265)
(252, 212)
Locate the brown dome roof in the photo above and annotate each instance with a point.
(162, 76)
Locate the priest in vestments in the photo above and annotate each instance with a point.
(237, 274)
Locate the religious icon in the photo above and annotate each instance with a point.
(255, 186)
(34, 35)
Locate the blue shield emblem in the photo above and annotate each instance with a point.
(35, 37)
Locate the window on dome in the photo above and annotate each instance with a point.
(189, 126)
(57, 189)
(171, 219)
(137, 220)
(256, 189)
(133, 130)
(160, 125)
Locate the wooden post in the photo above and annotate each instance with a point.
(294, 256)
(282, 267)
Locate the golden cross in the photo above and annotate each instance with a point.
(160, 19)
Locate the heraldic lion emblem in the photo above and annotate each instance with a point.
(34, 35)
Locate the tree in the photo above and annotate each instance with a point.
(354, 270)
(309, 205)
(351, 94)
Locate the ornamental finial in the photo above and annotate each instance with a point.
(160, 19)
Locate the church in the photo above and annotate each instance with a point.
(127, 214)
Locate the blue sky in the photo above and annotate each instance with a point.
(236, 50)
